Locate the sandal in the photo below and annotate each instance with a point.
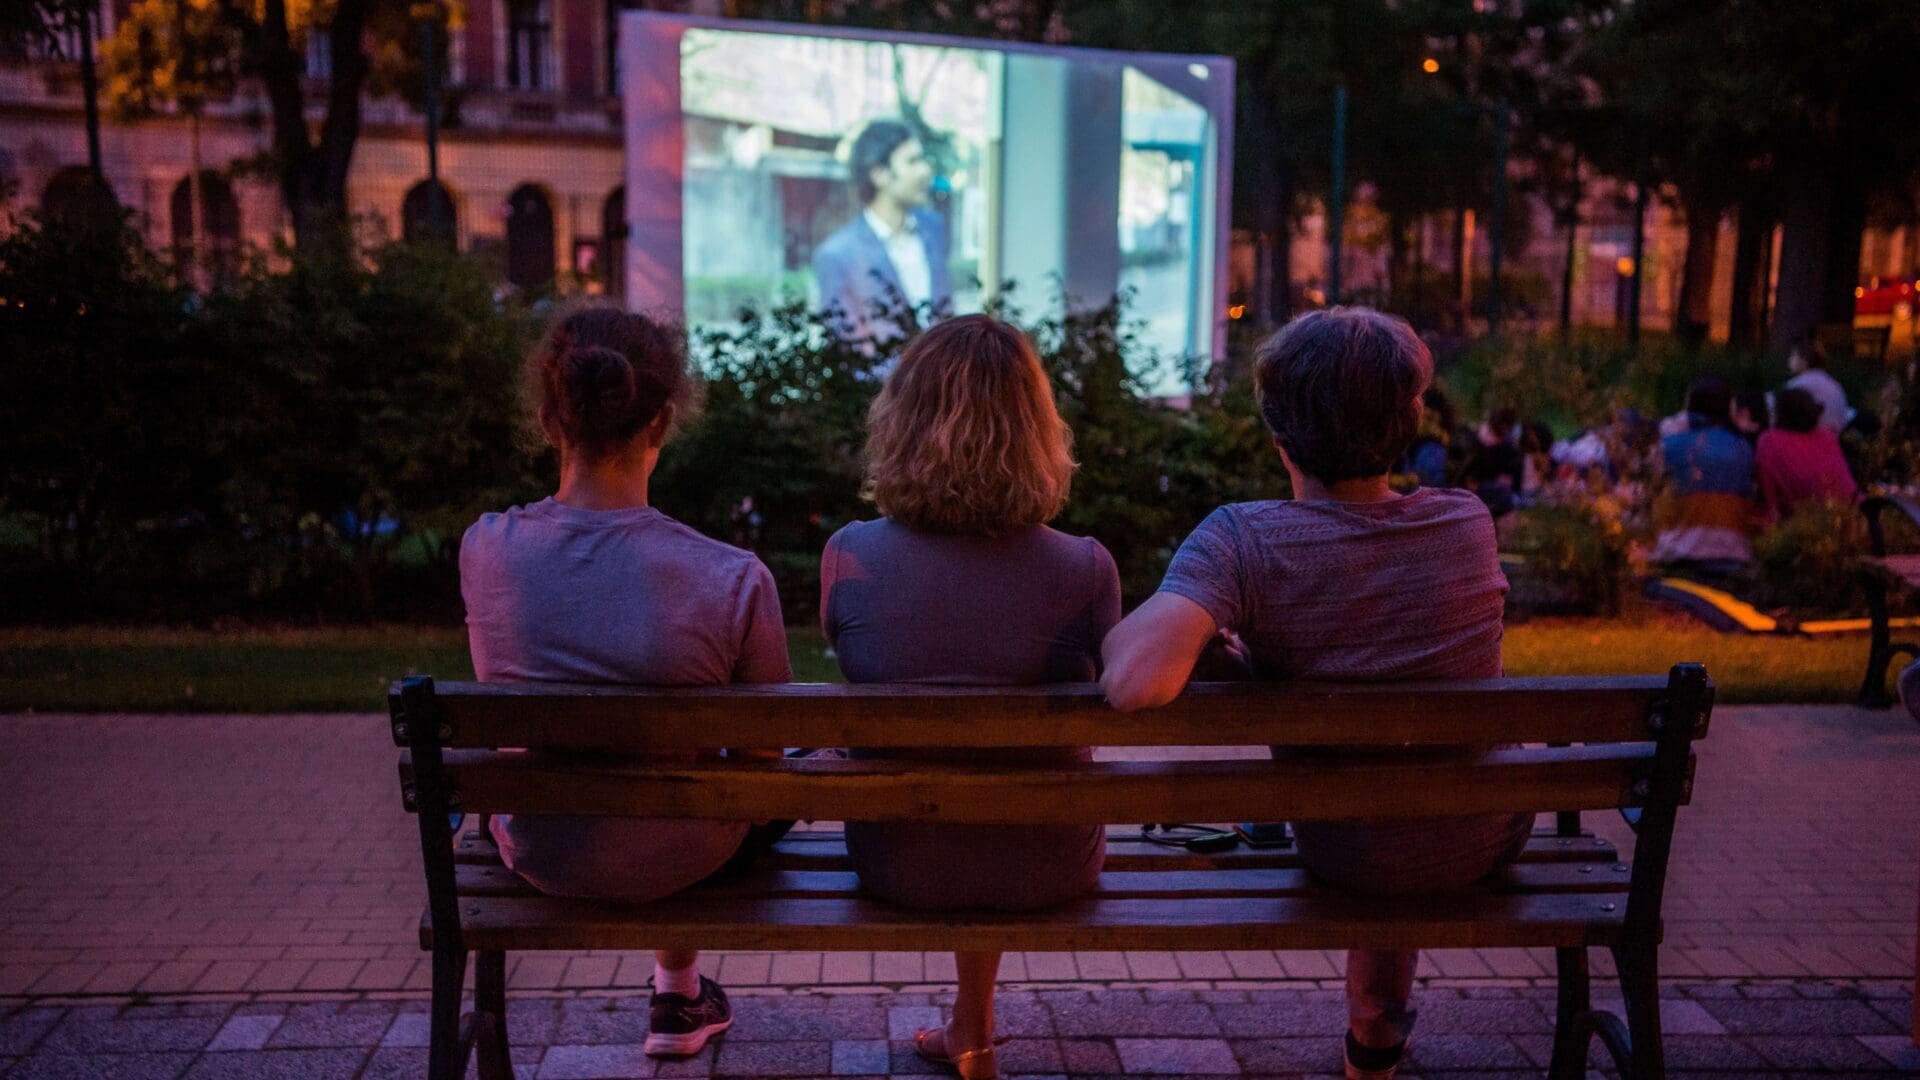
(977, 1064)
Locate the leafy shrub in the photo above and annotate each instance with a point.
(1807, 561)
(1575, 560)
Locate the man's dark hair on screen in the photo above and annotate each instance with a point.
(874, 148)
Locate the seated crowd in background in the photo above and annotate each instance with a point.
(960, 580)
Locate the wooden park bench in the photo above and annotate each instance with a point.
(1879, 571)
(1613, 743)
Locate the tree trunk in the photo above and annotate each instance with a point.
(1281, 301)
(90, 96)
(1752, 255)
(313, 173)
(197, 273)
(1694, 315)
(1846, 224)
(1805, 247)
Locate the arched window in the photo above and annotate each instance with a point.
(70, 193)
(427, 215)
(529, 237)
(613, 243)
(221, 216)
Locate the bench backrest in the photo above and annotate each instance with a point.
(1621, 722)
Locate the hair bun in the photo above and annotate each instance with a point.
(601, 387)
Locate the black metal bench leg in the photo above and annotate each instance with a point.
(1639, 968)
(1873, 689)
(1572, 1031)
(446, 1057)
(490, 1005)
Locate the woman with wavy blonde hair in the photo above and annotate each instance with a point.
(962, 582)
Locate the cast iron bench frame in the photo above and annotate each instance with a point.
(1878, 570)
(1621, 743)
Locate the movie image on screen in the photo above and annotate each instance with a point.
(892, 179)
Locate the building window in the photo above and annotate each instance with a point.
(319, 58)
(529, 38)
(72, 194)
(62, 41)
(529, 237)
(613, 235)
(427, 215)
(221, 228)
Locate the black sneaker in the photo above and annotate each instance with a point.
(1370, 1063)
(680, 1025)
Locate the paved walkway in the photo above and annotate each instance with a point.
(1470, 1033)
(204, 854)
(175, 885)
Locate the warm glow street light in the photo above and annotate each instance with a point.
(1430, 66)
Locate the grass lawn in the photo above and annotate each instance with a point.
(348, 669)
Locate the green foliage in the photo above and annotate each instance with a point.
(1807, 562)
(1575, 560)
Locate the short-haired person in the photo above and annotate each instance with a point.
(1704, 513)
(595, 585)
(880, 271)
(1345, 581)
(1799, 461)
(1808, 363)
(963, 583)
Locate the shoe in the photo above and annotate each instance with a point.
(1370, 1063)
(679, 1025)
(968, 1064)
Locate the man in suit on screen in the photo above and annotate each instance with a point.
(885, 272)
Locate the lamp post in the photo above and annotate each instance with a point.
(1337, 203)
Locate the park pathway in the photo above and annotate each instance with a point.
(197, 872)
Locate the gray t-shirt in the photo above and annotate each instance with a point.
(902, 605)
(555, 593)
(1406, 588)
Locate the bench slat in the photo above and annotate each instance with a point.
(1569, 778)
(494, 879)
(1461, 712)
(852, 924)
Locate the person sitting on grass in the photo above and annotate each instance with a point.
(1345, 581)
(1705, 511)
(962, 583)
(1799, 461)
(595, 585)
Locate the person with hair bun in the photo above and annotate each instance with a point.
(963, 583)
(1344, 582)
(595, 585)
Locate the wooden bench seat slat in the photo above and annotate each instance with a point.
(856, 924)
(1553, 709)
(1567, 778)
(827, 851)
(494, 879)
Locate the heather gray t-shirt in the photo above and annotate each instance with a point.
(1405, 588)
(555, 593)
(902, 605)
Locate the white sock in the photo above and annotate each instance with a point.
(685, 982)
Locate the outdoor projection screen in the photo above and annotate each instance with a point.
(1051, 168)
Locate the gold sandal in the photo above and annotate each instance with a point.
(977, 1064)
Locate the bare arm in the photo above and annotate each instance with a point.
(1150, 655)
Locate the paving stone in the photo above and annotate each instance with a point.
(1795, 1017)
(1079, 1056)
(410, 1029)
(1286, 1017)
(860, 1057)
(1451, 1016)
(800, 1058)
(326, 1024)
(1898, 1050)
(81, 1033)
(1175, 1056)
(102, 1067)
(595, 1062)
(601, 1024)
(1320, 1053)
(904, 1020)
(22, 1028)
(279, 1065)
(244, 1033)
(776, 1020)
(1814, 1051)
(1029, 1056)
(1465, 1052)
(1101, 1017)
